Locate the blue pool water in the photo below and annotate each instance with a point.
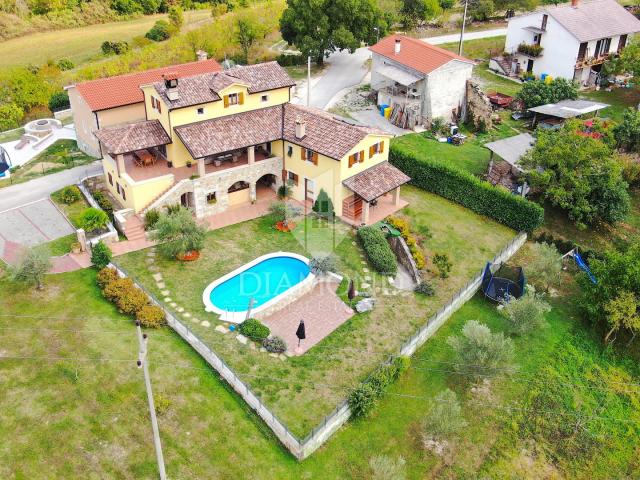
(262, 282)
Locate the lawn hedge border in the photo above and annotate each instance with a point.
(462, 187)
(378, 251)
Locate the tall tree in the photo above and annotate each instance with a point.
(579, 174)
(319, 27)
(246, 34)
(414, 12)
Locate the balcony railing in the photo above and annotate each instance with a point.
(588, 61)
(531, 50)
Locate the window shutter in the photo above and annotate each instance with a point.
(381, 149)
(315, 158)
(295, 179)
(351, 160)
(240, 98)
(372, 151)
(153, 102)
(284, 176)
(361, 156)
(303, 153)
(226, 101)
(159, 106)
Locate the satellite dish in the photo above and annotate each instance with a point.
(5, 162)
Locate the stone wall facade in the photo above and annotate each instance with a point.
(478, 106)
(218, 183)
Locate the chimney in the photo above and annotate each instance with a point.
(397, 46)
(202, 55)
(301, 128)
(171, 84)
(574, 3)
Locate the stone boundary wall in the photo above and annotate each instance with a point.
(301, 449)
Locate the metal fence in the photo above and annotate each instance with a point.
(301, 449)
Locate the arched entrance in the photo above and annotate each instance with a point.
(239, 193)
(187, 200)
(266, 186)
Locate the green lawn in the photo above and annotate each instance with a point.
(60, 246)
(619, 100)
(99, 410)
(480, 49)
(72, 211)
(469, 240)
(61, 155)
(82, 44)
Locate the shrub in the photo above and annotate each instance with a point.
(401, 364)
(162, 404)
(103, 202)
(176, 16)
(362, 399)
(178, 233)
(627, 133)
(445, 416)
(151, 316)
(106, 276)
(253, 329)
(323, 265)
(384, 467)
(150, 219)
(132, 300)
(59, 101)
(115, 48)
(65, 64)
(101, 255)
(161, 31)
(70, 194)
(274, 345)
(462, 187)
(93, 219)
(481, 353)
(291, 60)
(323, 205)
(10, 116)
(378, 250)
(526, 313)
(443, 264)
(284, 191)
(425, 288)
(32, 267)
(545, 267)
(117, 288)
(538, 92)
(532, 50)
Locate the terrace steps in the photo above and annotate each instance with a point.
(134, 228)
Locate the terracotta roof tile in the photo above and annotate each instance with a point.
(133, 136)
(218, 135)
(205, 88)
(376, 181)
(414, 53)
(122, 90)
(325, 133)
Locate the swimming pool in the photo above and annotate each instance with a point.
(263, 281)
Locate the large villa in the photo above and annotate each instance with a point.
(224, 139)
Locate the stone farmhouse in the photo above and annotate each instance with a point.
(229, 139)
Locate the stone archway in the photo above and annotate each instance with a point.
(239, 193)
(187, 200)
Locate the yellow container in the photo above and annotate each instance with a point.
(387, 112)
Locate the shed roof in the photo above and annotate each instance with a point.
(569, 108)
(416, 54)
(376, 181)
(512, 149)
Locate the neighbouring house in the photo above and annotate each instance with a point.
(227, 139)
(553, 115)
(418, 80)
(109, 101)
(571, 40)
(506, 169)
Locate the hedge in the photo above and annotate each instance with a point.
(253, 329)
(378, 251)
(462, 187)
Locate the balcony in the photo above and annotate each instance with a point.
(160, 167)
(530, 50)
(590, 61)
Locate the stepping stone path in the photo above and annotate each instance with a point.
(187, 315)
(173, 304)
(180, 309)
(263, 350)
(365, 286)
(165, 293)
(242, 339)
(168, 300)
(274, 355)
(365, 270)
(367, 278)
(282, 357)
(363, 262)
(221, 329)
(154, 268)
(252, 345)
(157, 277)
(161, 285)
(205, 323)
(195, 320)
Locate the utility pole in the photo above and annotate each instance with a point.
(142, 363)
(309, 80)
(464, 20)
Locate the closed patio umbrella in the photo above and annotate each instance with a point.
(300, 332)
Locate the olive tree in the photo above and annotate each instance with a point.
(545, 267)
(178, 233)
(32, 267)
(526, 313)
(444, 418)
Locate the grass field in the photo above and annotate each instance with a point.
(97, 403)
(468, 239)
(61, 155)
(480, 49)
(83, 44)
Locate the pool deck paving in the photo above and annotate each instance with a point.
(322, 311)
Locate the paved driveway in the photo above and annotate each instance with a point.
(30, 225)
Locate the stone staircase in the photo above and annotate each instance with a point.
(134, 228)
(504, 64)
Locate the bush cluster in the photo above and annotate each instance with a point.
(563, 245)
(274, 345)
(463, 188)
(114, 48)
(103, 202)
(150, 219)
(129, 299)
(253, 329)
(291, 60)
(425, 288)
(412, 242)
(92, 219)
(101, 255)
(378, 250)
(363, 398)
(443, 264)
(59, 101)
(70, 194)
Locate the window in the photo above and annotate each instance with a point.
(153, 102)
(289, 150)
(110, 179)
(201, 111)
(211, 198)
(292, 178)
(124, 195)
(376, 148)
(264, 98)
(357, 157)
(118, 188)
(309, 155)
(234, 99)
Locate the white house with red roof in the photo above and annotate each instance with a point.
(114, 100)
(425, 81)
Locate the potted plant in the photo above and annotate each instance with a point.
(76, 247)
(282, 212)
(189, 163)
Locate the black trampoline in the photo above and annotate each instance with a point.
(5, 163)
(501, 289)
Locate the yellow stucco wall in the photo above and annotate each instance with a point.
(365, 143)
(124, 114)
